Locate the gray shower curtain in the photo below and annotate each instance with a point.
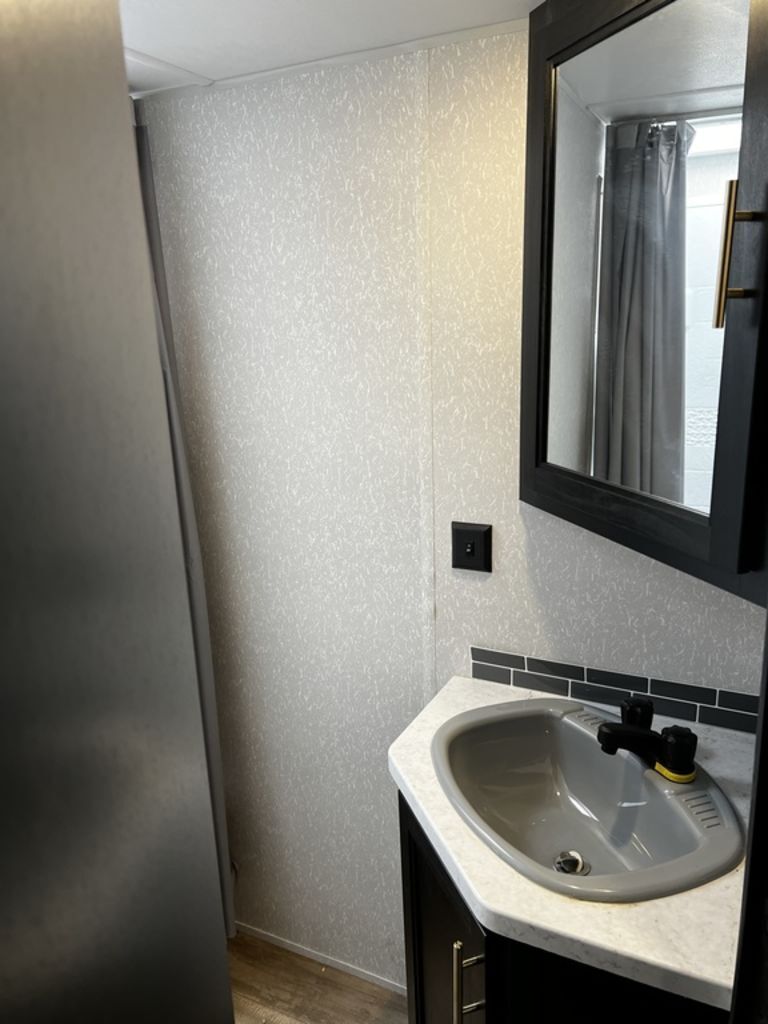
(640, 378)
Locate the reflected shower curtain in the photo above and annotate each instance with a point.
(640, 381)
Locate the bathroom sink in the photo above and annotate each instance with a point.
(531, 780)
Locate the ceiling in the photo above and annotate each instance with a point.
(687, 57)
(170, 43)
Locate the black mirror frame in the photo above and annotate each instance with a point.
(727, 547)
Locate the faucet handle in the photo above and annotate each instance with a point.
(637, 711)
(678, 749)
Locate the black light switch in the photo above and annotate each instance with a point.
(471, 546)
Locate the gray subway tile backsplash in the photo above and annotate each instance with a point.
(638, 684)
(601, 694)
(497, 658)
(727, 719)
(698, 694)
(555, 668)
(550, 684)
(493, 673)
(674, 708)
(729, 709)
(739, 701)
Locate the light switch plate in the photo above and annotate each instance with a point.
(471, 546)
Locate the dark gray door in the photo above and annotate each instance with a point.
(110, 906)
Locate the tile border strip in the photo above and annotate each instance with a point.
(728, 709)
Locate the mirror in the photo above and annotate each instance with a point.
(647, 134)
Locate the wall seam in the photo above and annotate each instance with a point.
(431, 363)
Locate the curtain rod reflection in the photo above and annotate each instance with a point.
(721, 114)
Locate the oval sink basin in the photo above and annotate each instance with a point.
(531, 780)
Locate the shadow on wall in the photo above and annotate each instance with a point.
(211, 508)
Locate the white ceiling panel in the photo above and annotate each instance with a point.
(686, 57)
(146, 74)
(219, 39)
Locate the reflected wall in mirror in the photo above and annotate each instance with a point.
(648, 129)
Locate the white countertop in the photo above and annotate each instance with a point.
(684, 943)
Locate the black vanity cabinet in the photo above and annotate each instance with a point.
(509, 982)
(646, 233)
(436, 918)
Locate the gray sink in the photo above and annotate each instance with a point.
(530, 778)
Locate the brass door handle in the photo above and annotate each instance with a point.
(730, 216)
(459, 965)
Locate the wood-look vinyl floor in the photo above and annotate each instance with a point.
(273, 986)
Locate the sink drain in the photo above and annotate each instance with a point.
(570, 862)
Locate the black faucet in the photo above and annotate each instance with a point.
(669, 752)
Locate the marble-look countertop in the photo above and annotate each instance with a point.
(684, 943)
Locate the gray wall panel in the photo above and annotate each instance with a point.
(294, 222)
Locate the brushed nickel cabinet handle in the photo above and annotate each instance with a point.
(459, 965)
(730, 216)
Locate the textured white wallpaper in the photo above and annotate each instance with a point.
(556, 589)
(344, 258)
(294, 225)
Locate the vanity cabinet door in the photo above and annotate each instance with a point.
(435, 918)
(518, 983)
